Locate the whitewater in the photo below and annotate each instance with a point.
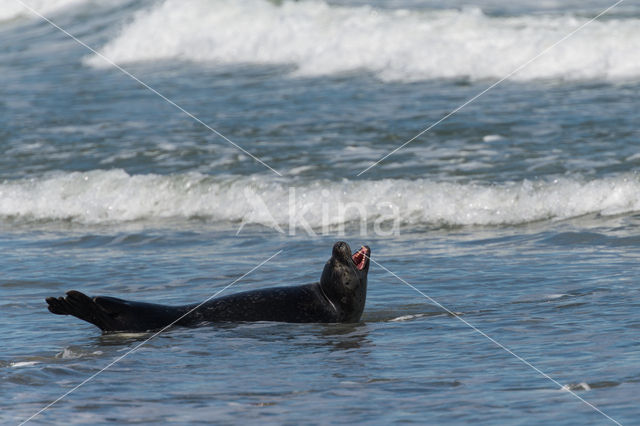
(519, 212)
(109, 197)
(394, 45)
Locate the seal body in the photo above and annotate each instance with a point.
(339, 297)
(305, 303)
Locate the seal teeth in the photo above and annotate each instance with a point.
(359, 258)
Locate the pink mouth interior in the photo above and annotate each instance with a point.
(360, 258)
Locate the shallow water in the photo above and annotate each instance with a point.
(519, 213)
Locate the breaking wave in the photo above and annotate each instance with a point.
(105, 197)
(394, 45)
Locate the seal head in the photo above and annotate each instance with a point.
(344, 281)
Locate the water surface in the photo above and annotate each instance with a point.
(519, 213)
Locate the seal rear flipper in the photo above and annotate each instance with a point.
(113, 314)
(82, 306)
(56, 305)
(112, 305)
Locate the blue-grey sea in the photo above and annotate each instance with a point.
(505, 282)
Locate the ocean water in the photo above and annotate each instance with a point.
(504, 287)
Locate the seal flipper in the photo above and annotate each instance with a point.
(113, 314)
(82, 306)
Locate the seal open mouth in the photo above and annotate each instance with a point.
(360, 257)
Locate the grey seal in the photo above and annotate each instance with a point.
(339, 297)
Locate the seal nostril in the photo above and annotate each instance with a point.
(341, 249)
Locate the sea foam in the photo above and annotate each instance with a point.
(397, 45)
(104, 197)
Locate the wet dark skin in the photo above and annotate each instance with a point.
(339, 297)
